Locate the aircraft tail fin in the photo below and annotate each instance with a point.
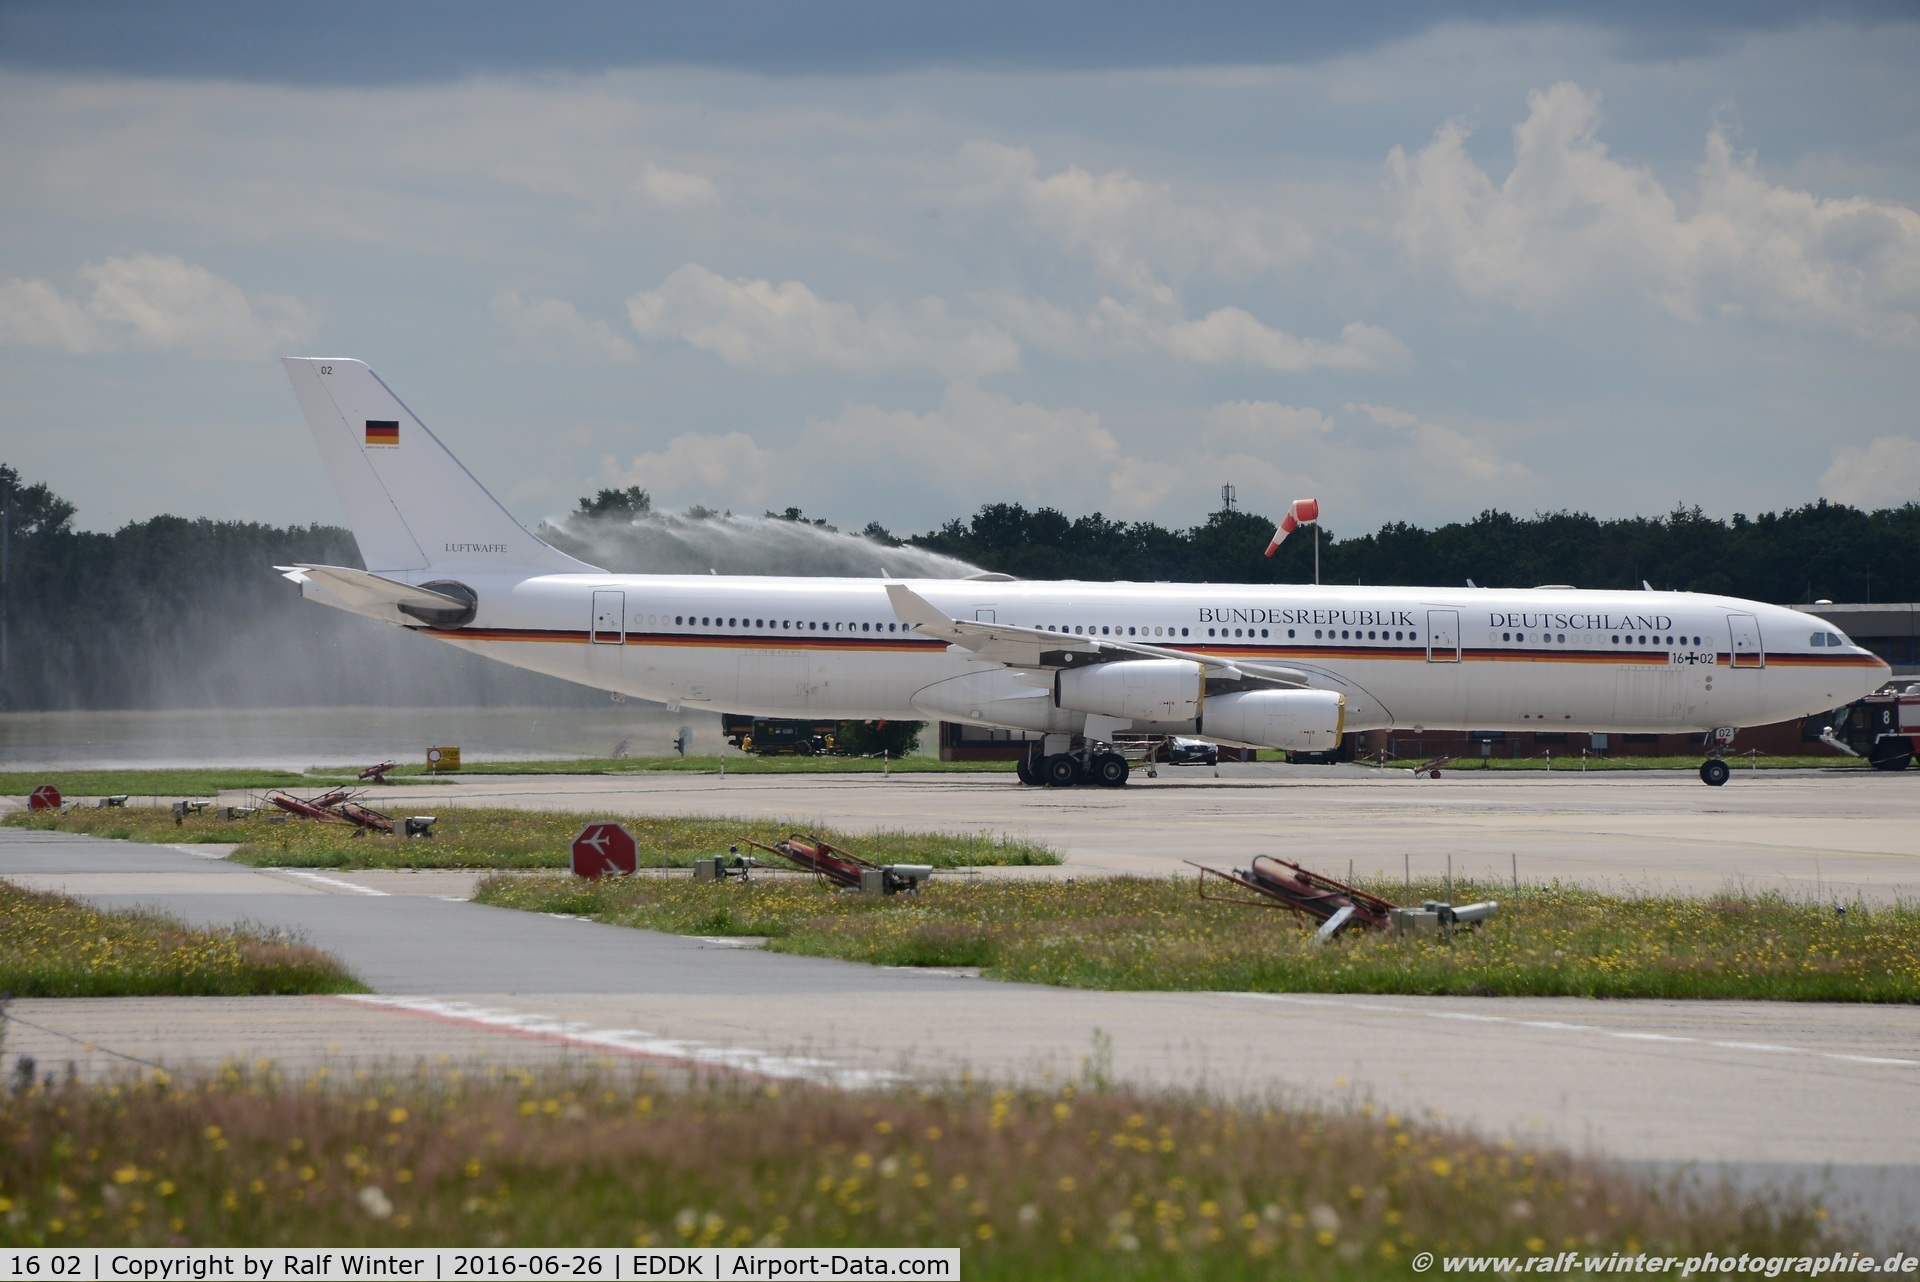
(411, 504)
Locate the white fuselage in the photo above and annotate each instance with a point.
(1539, 659)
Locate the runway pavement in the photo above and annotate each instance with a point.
(1819, 1095)
(1830, 834)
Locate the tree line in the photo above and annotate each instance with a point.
(177, 612)
(1821, 550)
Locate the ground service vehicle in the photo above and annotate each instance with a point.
(1884, 727)
(778, 736)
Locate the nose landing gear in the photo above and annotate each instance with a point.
(1714, 771)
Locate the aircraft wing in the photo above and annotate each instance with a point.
(362, 592)
(1039, 650)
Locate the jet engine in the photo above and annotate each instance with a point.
(1154, 691)
(1294, 720)
(998, 698)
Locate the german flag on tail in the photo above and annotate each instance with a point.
(383, 431)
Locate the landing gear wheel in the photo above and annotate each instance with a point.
(1024, 768)
(1060, 770)
(1891, 754)
(1110, 770)
(1714, 772)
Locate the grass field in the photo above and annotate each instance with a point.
(166, 785)
(53, 946)
(1060, 1184)
(1158, 935)
(475, 837)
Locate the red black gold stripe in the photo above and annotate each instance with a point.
(1302, 654)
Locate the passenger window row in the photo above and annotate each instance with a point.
(1109, 630)
(783, 625)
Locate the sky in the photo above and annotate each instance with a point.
(889, 263)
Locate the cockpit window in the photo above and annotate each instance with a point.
(1834, 639)
(1818, 639)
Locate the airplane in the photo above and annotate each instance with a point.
(1249, 665)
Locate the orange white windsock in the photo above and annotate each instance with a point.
(1302, 512)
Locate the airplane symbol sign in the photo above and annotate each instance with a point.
(604, 850)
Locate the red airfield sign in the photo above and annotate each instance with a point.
(604, 850)
(45, 797)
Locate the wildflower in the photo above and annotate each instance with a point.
(375, 1202)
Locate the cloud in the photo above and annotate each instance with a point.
(1371, 459)
(1134, 232)
(1231, 336)
(912, 468)
(1227, 336)
(553, 329)
(1885, 473)
(1569, 221)
(1444, 454)
(756, 325)
(676, 187)
(150, 303)
(974, 444)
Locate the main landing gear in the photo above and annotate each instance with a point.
(1095, 763)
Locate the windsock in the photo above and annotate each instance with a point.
(1303, 512)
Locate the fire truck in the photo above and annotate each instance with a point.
(1884, 727)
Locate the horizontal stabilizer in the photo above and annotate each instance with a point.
(378, 597)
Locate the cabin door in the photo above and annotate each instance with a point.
(1443, 636)
(1747, 650)
(609, 618)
